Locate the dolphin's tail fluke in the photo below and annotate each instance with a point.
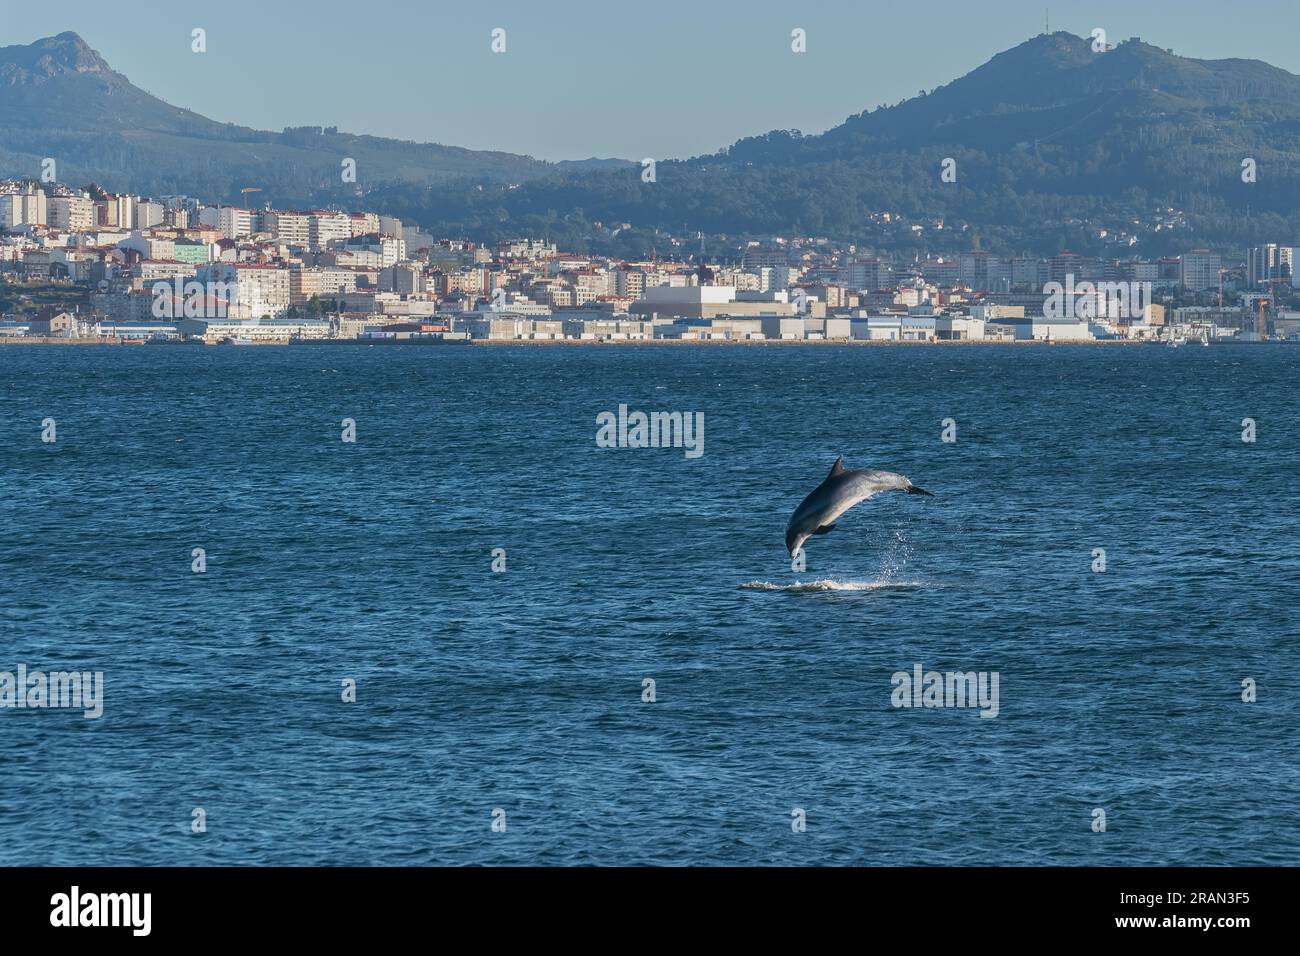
(913, 490)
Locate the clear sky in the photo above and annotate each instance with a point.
(580, 78)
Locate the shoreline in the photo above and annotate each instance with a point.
(650, 343)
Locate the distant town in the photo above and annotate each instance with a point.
(87, 266)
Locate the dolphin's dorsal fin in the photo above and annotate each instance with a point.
(837, 468)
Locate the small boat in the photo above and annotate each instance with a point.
(231, 340)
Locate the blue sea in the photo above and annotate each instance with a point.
(516, 697)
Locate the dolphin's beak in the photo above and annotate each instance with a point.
(913, 490)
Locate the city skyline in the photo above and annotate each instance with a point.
(182, 269)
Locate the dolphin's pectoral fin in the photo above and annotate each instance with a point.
(824, 529)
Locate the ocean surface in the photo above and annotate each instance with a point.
(516, 696)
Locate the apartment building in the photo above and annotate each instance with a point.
(326, 227)
(1200, 270)
(1267, 262)
(863, 272)
(387, 251)
(362, 223)
(72, 213)
(149, 214)
(231, 222)
(260, 290)
(23, 206)
(290, 228)
(305, 283)
(116, 211)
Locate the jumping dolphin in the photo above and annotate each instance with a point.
(841, 490)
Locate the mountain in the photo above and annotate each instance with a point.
(1052, 141)
(1055, 146)
(60, 99)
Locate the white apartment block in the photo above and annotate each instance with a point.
(232, 222)
(588, 286)
(26, 208)
(72, 213)
(149, 214)
(150, 271)
(260, 291)
(305, 283)
(1270, 261)
(290, 228)
(364, 222)
(629, 282)
(327, 227)
(389, 251)
(526, 249)
(151, 247)
(118, 211)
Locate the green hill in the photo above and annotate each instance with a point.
(1052, 141)
(59, 98)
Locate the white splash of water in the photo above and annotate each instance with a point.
(830, 584)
